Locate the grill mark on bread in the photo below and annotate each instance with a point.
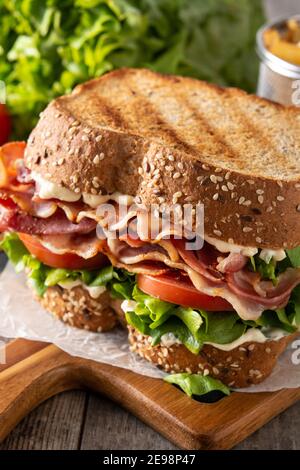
(155, 117)
(110, 112)
(257, 131)
(217, 138)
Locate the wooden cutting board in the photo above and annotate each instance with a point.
(35, 371)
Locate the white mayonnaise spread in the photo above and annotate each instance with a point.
(48, 190)
(96, 201)
(225, 247)
(252, 335)
(168, 339)
(128, 306)
(94, 292)
(267, 255)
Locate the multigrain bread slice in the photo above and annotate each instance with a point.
(164, 138)
(77, 308)
(248, 364)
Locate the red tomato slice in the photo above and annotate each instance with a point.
(5, 124)
(178, 289)
(66, 261)
(9, 154)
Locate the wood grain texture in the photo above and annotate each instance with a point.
(105, 425)
(55, 425)
(108, 426)
(184, 421)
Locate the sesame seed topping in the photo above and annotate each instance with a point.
(258, 239)
(77, 190)
(180, 166)
(259, 191)
(206, 372)
(241, 200)
(84, 138)
(213, 179)
(247, 229)
(169, 168)
(171, 158)
(230, 186)
(260, 199)
(218, 233)
(215, 196)
(98, 138)
(176, 175)
(279, 184)
(280, 198)
(61, 161)
(205, 167)
(96, 160)
(227, 176)
(74, 178)
(224, 188)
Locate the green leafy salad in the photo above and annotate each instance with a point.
(155, 318)
(47, 47)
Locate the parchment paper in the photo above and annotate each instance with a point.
(22, 317)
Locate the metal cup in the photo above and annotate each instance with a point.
(278, 80)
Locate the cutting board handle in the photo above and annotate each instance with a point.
(31, 381)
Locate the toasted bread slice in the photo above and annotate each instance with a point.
(245, 365)
(153, 136)
(77, 308)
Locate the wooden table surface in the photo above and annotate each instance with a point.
(82, 420)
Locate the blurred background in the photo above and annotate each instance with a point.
(49, 46)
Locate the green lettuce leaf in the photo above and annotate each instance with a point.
(196, 384)
(14, 249)
(180, 331)
(43, 276)
(294, 256)
(266, 270)
(221, 327)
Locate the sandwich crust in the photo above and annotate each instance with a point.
(166, 139)
(243, 366)
(77, 308)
